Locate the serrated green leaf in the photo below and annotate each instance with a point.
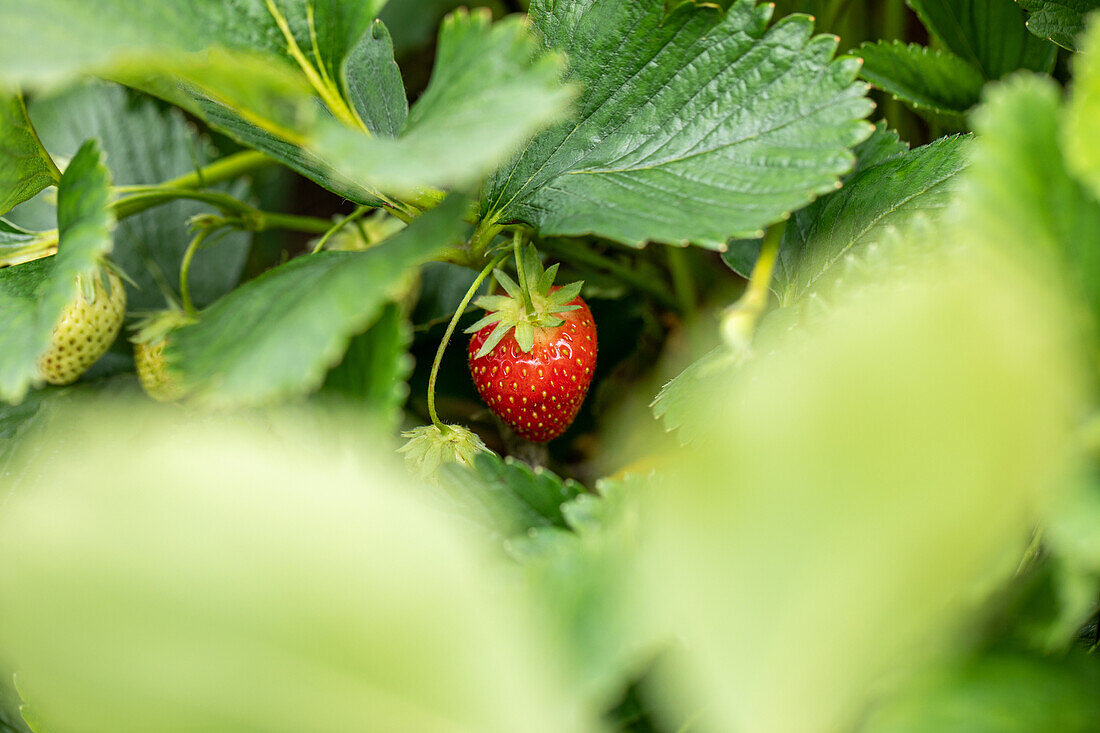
(937, 84)
(694, 126)
(1061, 21)
(25, 166)
(144, 145)
(1081, 125)
(277, 335)
(1019, 193)
(990, 34)
(490, 90)
(507, 497)
(33, 295)
(887, 195)
(374, 372)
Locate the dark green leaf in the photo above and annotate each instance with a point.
(1061, 21)
(145, 146)
(508, 497)
(33, 295)
(278, 335)
(875, 199)
(938, 84)
(376, 367)
(374, 83)
(695, 126)
(990, 34)
(25, 166)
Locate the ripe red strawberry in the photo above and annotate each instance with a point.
(534, 370)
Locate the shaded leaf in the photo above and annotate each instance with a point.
(990, 34)
(1061, 21)
(507, 497)
(278, 335)
(937, 84)
(25, 166)
(695, 126)
(375, 369)
(33, 295)
(144, 146)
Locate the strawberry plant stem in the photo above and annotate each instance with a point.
(185, 269)
(518, 240)
(353, 216)
(447, 337)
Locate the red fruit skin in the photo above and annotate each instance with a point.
(538, 394)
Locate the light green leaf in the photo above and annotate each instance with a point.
(144, 146)
(375, 368)
(990, 34)
(694, 126)
(1081, 126)
(1061, 21)
(875, 199)
(937, 84)
(490, 91)
(507, 497)
(277, 336)
(25, 166)
(1018, 192)
(33, 295)
(327, 592)
(851, 469)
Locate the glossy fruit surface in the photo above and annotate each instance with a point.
(538, 393)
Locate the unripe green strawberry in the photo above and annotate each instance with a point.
(153, 370)
(533, 368)
(86, 329)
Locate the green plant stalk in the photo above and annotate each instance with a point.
(682, 283)
(521, 272)
(224, 169)
(740, 319)
(185, 269)
(447, 338)
(352, 217)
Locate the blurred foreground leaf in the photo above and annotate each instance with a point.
(229, 575)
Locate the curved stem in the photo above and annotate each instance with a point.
(521, 273)
(447, 337)
(338, 226)
(185, 269)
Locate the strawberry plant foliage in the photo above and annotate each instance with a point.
(1061, 21)
(34, 295)
(25, 166)
(278, 335)
(693, 127)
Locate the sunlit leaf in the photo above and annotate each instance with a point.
(25, 166)
(694, 126)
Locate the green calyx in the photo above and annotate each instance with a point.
(429, 447)
(521, 311)
(155, 328)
